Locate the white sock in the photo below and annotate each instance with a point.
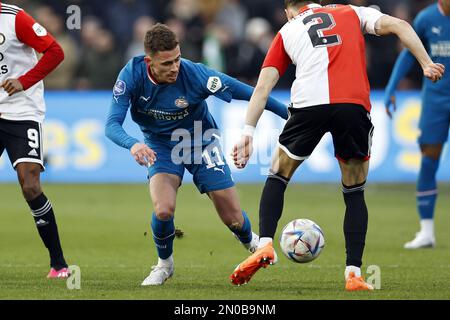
(354, 269)
(264, 241)
(427, 227)
(167, 263)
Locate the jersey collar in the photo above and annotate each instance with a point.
(150, 76)
(309, 6)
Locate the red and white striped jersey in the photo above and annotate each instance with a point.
(327, 46)
(20, 36)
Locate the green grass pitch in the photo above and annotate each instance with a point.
(105, 230)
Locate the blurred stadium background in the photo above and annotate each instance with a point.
(105, 227)
(229, 35)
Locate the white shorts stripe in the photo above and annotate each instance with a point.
(290, 154)
(22, 160)
(41, 147)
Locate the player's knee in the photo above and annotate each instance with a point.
(164, 212)
(431, 151)
(31, 189)
(233, 219)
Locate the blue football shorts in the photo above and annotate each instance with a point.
(206, 164)
(434, 119)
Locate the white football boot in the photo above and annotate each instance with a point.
(158, 276)
(252, 245)
(421, 240)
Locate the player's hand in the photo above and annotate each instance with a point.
(434, 71)
(12, 86)
(393, 102)
(143, 154)
(242, 151)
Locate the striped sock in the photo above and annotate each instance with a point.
(163, 235)
(42, 211)
(427, 188)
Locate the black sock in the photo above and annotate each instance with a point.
(355, 223)
(271, 205)
(42, 211)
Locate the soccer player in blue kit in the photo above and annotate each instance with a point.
(166, 96)
(433, 27)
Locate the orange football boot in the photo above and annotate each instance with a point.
(246, 269)
(355, 283)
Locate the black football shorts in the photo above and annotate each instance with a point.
(22, 140)
(349, 124)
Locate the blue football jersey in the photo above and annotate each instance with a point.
(162, 110)
(159, 109)
(434, 30)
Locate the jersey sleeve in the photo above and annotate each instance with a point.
(277, 56)
(368, 17)
(402, 66)
(120, 103)
(211, 82)
(228, 88)
(52, 57)
(32, 33)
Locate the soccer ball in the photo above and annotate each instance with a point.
(302, 240)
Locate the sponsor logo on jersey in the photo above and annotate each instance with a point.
(219, 169)
(164, 115)
(145, 99)
(119, 88)
(436, 30)
(2, 38)
(39, 30)
(182, 103)
(440, 49)
(214, 84)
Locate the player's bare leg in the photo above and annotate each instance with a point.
(354, 175)
(271, 208)
(229, 209)
(163, 191)
(42, 211)
(426, 196)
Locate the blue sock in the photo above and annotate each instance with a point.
(245, 233)
(163, 235)
(427, 188)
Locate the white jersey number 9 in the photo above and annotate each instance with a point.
(33, 136)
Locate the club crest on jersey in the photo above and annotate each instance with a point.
(214, 84)
(182, 103)
(39, 30)
(119, 88)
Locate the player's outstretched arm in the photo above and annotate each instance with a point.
(227, 88)
(242, 91)
(115, 132)
(113, 127)
(267, 80)
(404, 63)
(409, 38)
